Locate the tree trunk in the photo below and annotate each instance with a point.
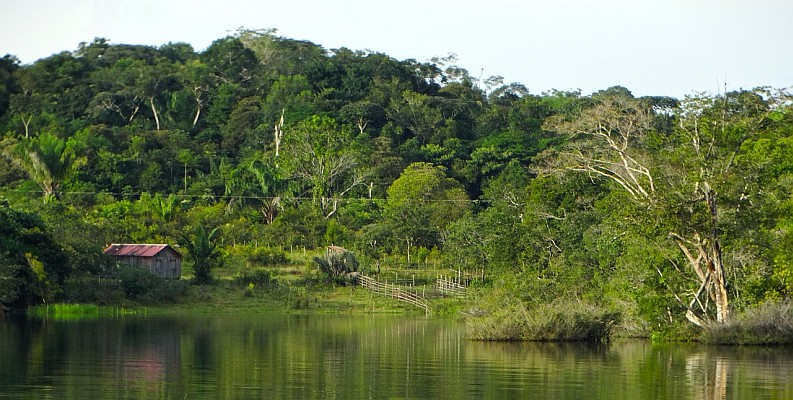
(26, 123)
(279, 134)
(716, 264)
(706, 252)
(197, 93)
(409, 240)
(154, 111)
(134, 112)
(361, 124)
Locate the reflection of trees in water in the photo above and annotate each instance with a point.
(707, 376)
(371, 356)
(718, 372)
(89, 356)
(638, 369)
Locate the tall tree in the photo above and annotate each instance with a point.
(422, 203)
(320, 154)
(32, 264)
(680, 179)
(8, 84)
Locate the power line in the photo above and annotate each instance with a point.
(261, 198)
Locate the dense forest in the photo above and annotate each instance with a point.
(664, 210)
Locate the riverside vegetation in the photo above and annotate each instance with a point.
(584, 216)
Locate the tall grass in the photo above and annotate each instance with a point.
(567, 322)
(767, 324)
(76, 311)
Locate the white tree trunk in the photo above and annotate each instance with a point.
(279, 133)
(197, 93)
(154, 111)
(26, 123)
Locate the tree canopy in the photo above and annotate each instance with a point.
(666, 209)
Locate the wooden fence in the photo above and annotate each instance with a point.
(450, 286)
(393, 291)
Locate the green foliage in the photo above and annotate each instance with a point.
(144, 287)
(554, 322)
(253, 255)
(318, 153)
(421, 203)
(94, 289)
(203, 250)
(48, 160)
(10, 281)
(34, 266)
(282, 143)
(268, 256)
(257, 277)
(336, 264)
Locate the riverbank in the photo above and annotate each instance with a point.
(275, 296)
(258, 292)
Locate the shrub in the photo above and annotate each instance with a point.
(145, 287)
(258, 277)
(553, 322)
(88, 288)
(769, 323)
(267, 256)
(507, 324)
(249, 290)
(336, 265)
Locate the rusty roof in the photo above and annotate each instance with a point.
(136, 250)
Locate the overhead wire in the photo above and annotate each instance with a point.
(246, 197)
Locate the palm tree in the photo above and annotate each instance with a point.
(203, 249)
(48, 160)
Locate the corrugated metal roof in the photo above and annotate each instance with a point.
(136, 250)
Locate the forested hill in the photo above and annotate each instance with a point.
(631, 203)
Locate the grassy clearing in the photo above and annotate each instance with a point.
(297, 286)
(230, 296)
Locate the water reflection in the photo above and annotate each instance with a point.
(259, 356)
(719, 372)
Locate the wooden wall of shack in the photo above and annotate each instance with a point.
(166, 264)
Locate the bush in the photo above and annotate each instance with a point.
(258, 277)
(145, 287)
(267, 256)
(554, 322)
(337, 265)
(88, 288)
(507, 324)
(769, 323)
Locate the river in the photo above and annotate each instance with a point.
(260, 356)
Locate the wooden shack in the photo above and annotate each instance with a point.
(161, 259)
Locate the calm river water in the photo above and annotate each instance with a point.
(358, 357)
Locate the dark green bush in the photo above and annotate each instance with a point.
(267, 256)
(88, 288)
(145, 287)
(258, 276)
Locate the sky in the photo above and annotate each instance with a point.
(661, 47)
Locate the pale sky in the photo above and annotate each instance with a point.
(661, 47)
